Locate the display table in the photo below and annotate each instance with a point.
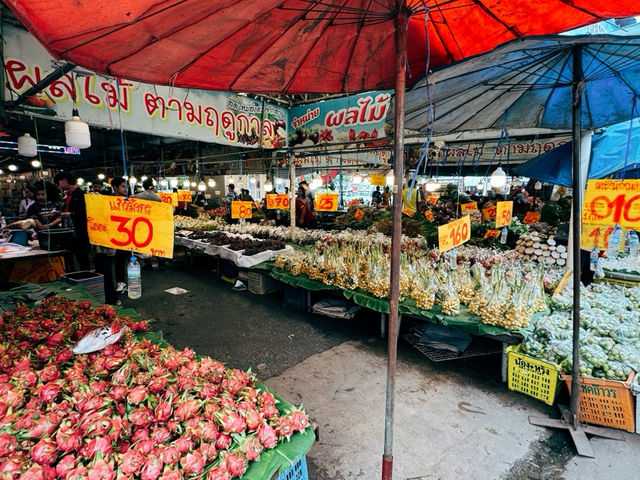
(29, 265)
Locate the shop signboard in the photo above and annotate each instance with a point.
(241, 209)
(143, 226)
(454, 233)
(200, 115)
(503, 214)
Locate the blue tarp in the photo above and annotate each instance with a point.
(615, 151)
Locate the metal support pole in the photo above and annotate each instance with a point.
(292, 194)
(394, 290)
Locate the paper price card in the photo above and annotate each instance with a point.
(169, 198)
(241, 209)
(428, 214)
(491, 233)
(379, 180)
(531, 217)
(454, 233)
(408, 212)
(468, 207)
(359, 214)
(489, 212)
(278, 201)
(597, 236)
(184, 195)
(130, 224)
(432, 199)
(612, 202)
(503, 214)
(327, 202)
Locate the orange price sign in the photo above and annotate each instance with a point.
(359, 214)
(489, 212)
(454, 233)
(130, 224)
(169, 198)
(408, 212)
(279, 201)
(612, 202)
(531, 217)
(597, 236)
(432, 199)
(491, 233)
(470, 206)
(503, 214)
(241, 209)
(428, 214)
(184, 195)
(327, 202)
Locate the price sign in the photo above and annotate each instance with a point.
(379, 180)
(432, 199)
(278, 201)
(612, 202)
(359, 214)
(241, 209)
(503, 214)
(130, 224)
(169, 198)
(184, 195)
(326, 202)
(489, 212)
(531, 217)
(597, 236)
(454, 233)
(408, 212)
(428, 214)
(492, 233)
(467, 207)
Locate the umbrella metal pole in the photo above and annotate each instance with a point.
(292, 194)
(396, 238)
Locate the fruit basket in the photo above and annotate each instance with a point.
(533, 377)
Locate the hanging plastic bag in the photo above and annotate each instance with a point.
(98, 339)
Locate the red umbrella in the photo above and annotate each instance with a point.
(299, 46)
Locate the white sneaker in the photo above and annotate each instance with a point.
(121, 287)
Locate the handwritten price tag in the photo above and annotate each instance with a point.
(359, 214)
(130, 224)
(327, 202)
(489, 212)
(428, 214)
(531, 217)
(432, 199)
(492, 233)
(612, 202)
(184, 195)
(503, 214)
(279, 201)
(454, 233)
(408, 212)
(241, 209)
(468, 207)
(169, 198)
(597, 236)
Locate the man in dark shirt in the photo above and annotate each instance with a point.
(44, 210)
(75, 205)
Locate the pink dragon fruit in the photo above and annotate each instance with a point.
(267, 435)
(8, 445)
(137, 395)
(131, 462)
(284, 428)
(192, 463)
(252, 447)
(223, 441)
(252, 419)
(152, 468)
(44, 452)
(68, 439)
(219, 473)
(171, 474)
(65, 465)
(170, 455)
(299, 419)
(186, 410)
(235, 462)
(231, 421)
(162, 412)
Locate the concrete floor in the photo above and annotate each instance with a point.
(453, 420)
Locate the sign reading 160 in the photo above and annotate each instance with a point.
(131, 232)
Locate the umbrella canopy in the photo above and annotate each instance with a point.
(527, 83)
(288, 46)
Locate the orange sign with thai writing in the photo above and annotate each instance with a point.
(277, 201)
(169, 198)
(326, 202)
(597, 236)
(241, 209)
(491, 233)
(130, 224)
(359, 214)
(184, 195)
(531, 217)
(612, 202)
(503, 214)
(408, 212)
(489, 212)
(428, 214)
(468, 207)
(454, 233)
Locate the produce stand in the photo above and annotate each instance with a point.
(32, 265)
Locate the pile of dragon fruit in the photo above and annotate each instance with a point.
(133, 410)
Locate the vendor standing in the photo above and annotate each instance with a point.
(75, 205)
(44, 211)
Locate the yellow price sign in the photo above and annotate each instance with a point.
(597, 236)
(531, 217)
(612, 202)
(241, 209)
(277, 201)
(489, 212)
(130, 224)
(376, 179)
(491, 233)
(169, 198)
(359, 214)
(468, 207)
(503, 214)
(428, 214)
(408, 212)
(184, 195)
(454, 233)
(326, 202)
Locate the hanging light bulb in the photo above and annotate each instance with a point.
(133, 180)
(163, 182)
(498, 178)
(143, 178)
(173, 182)
(268, 186)
(202, 186)
(211, 183)
(431, 186)
(27, 146)
(357, 178)
(316, 183)
(76, 132)
(12, 167)
(80, 181)
(252, 180)
(480, 186)
(35, 163)
(101, 176)
(516, 182)
(186, 184)
(1, 172)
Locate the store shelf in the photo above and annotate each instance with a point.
(478, 347)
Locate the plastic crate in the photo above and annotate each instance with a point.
(297, 471)
(295, 298)
(92, 281)
(606, 402)
(531, 376)
(635, 389)
(262, 284)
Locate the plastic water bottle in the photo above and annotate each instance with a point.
(134, 287)
(3, 222)
(593, 260)
(614, 242)
(503, 235)
(633, 244)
